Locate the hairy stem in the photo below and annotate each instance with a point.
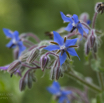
(89, 85)
(100, 78)
(94, 20)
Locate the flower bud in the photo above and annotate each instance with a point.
(12, 67)
(44, 60)
(99, 7)
(29, 80)
(15, 53)
(55, 71)
(84, 17)
(87, 49)
(33, 55)
(22, 84)
(95, 48)
(92, 38)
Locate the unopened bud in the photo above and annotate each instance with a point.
(29, 80)
(33, 55)
(84, 17)
(87, 49)
(95, 48)
(99, 7)
(24, 57)
(13, 66)
(15, 53)
(44, 60)
(92, 38)
(55, 71)
(22, 84)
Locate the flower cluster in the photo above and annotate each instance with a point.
(15, 41)
(30, 56)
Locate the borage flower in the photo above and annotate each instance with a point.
(57, 91)
(15, 40)
(74, 24)
(63, 46)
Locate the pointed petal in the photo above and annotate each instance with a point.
(16, 35)
(65, 18)
(75, 17)
(69, 27)
(85, 29)
(52, 47)
(58, 38)
(53, 90)
(9, 44)
(66, 92)
(72, 52)
(56, 84)
(80, 29)
(61, 99)
(21, 47)
(71, 42)
(8, 33)
(62, 58)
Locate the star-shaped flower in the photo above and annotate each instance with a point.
(74, 24)
(15, 40)
(63, 46)
(61, 94)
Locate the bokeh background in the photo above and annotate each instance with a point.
(39, 16)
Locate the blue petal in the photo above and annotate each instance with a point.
(58, 38)
(9, 44)
(16, 35)
(75, 17)
(80, 29)
(66, 92)
(85, 29)
(69, 27)
(62, 58)
(88, 22)
(56, 84)
(65, 18)
(54, 89)
(21, 47)
(61, 99)
(8, 33)
(71, 42)
(52, 47)
(72, 52)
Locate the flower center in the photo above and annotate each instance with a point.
(73, 24)
(62, 47)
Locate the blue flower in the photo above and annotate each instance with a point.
(63, 46)
(15, 40)
(74, 24)
(62, 94)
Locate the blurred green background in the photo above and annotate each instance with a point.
(38, 16)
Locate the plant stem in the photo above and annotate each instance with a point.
(94, 19)
(100, 78)
(77, 78)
